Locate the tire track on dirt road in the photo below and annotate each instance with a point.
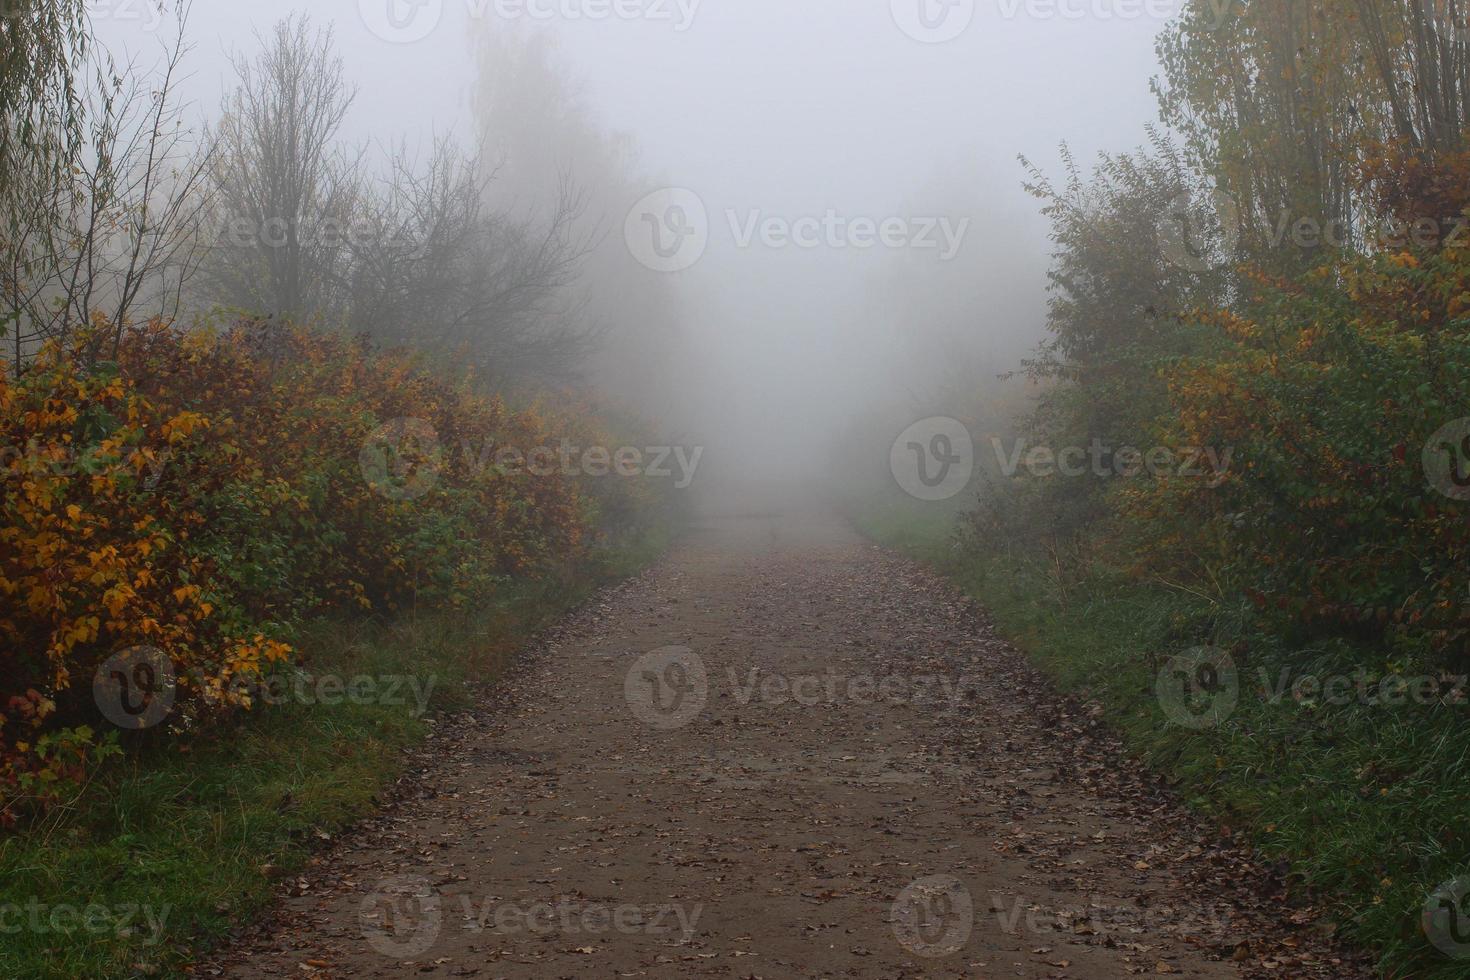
(837, 770)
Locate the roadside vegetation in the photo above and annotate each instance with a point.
(1233, 510)
(1360, 800)
(174, 845)
(296, 453)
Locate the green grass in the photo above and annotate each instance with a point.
(199, 834)
(1367, 803)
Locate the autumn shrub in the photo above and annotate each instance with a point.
(1335, 393)
(204, 490)
(1329, 385)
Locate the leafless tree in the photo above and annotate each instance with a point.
(412, 256)
(116, 237)
(532, 120)
(432, 266)
(284, 189)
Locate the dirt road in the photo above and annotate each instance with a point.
(782, 752)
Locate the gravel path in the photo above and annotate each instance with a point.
(782, 752)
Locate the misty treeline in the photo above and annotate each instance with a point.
(118, 204)
(1271, 298)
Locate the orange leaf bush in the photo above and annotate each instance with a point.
(207, 489)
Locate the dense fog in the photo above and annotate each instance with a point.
(863, 237)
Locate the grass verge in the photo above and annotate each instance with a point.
(1364, 799)
(176, 843)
